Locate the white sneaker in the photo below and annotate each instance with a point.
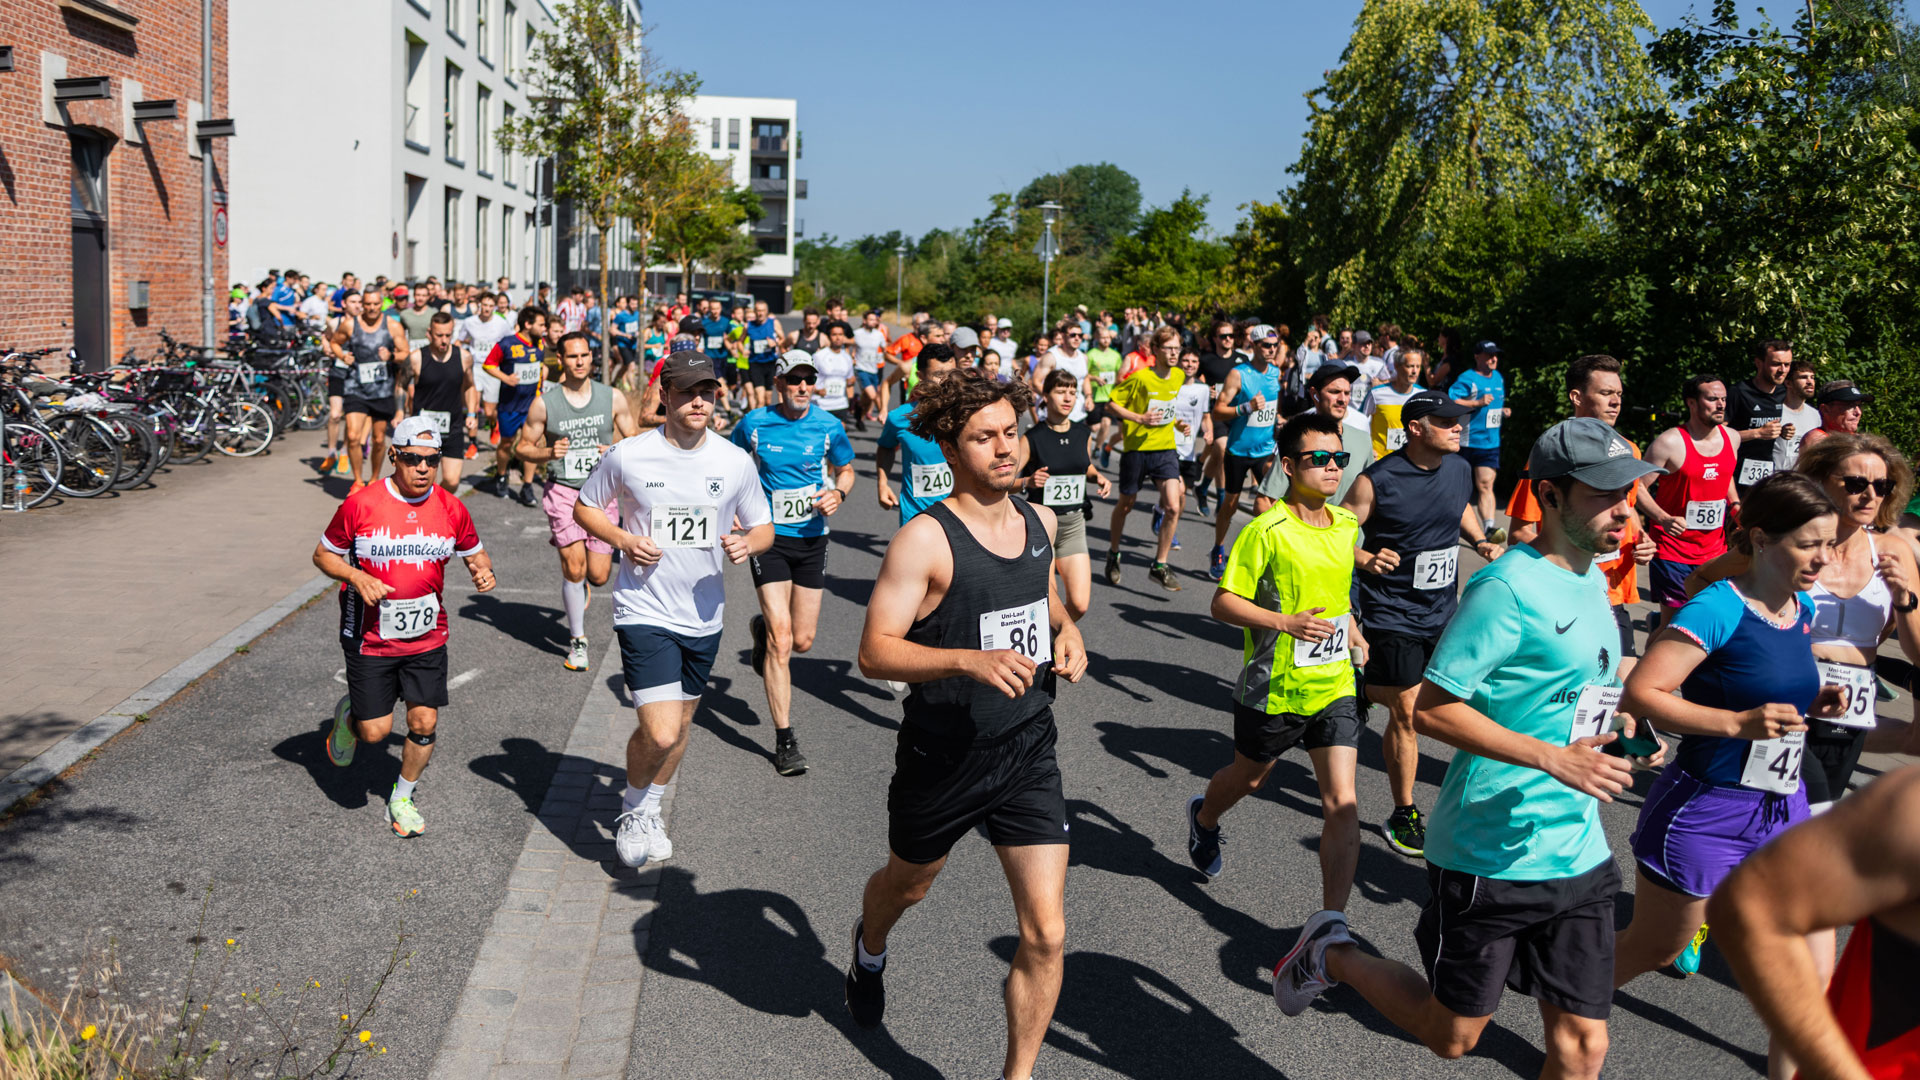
(633, 837)
(659, 848)
(577, 654)
(896, 686)
(1301, 975)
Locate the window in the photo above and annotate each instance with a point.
(417, 115)
(511, 62)
(769, 170)
(450, 236)
(506, 242)
(482, 236)
(455, 20)
(452, 106)
(733, 134)
(482, 41)
(483, 149)
(507, 167)
(526, 50)
(716, 133)
(769, 137)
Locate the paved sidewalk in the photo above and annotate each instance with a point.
(106, 594)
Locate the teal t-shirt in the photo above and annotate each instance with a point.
(1529, 638)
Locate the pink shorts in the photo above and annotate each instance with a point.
(558, 503)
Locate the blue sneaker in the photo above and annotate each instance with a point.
(1159, 515)
(1688, 962)
(1217, 568)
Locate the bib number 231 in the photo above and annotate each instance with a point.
(1025, 630)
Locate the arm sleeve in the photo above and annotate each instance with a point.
(603, 483)
(1710, 617)
(338, 537)
(1482, 637)
(839, 450)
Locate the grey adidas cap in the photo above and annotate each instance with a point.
(1589, 451)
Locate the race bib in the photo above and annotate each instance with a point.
(1858, 684)
(1025, 630)
(833, 393)
(1065, 490)
(1774, 764)
(1183, 442)
(1159, 414)
(1436, 569)
(714, 342)
(577, 462)
(442, 422)
(1495, 414)
(793, 506)
(930, 481)
(1754, 470)
(1706, 515)
(1396, 438)
(1593, 713)
(685, 525)
(404, 620)
(762, 345)
(1104, 378)
(1315, 653)
(1263, 416)
(368, 372)
(1609, 558)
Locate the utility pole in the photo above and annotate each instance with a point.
(899, 274)
(1046, 249)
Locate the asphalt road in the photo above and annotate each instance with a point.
(1166, 976)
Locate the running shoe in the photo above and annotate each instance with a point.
(1200, 502)
(1163, 574)
(633, 837)
(1407, 832)
(659, 848)
(788, 760)
(1106, 457)
(341, 466)
(1203, 844)
(326, 463)
(403, 817)
(1159, 515)
(341, 741)
(1113, 568)
(757, 627)
(576, 654)
(1217, 562)
(866, 990)
(355, 488)
(472, 452)
(1688, 962)
(1301, 975)
(529, 494)
(1176, 544)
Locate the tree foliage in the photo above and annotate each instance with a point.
(1100, 203)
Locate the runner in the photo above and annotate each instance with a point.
(480, 332)
(965, 611)
(925, 476)
(685, 490)
(871, 340)
(442, 392)
(1147, 455)
(1523, 683)
(902, 353)
(1385, 422)
(388, 545)
(1217, 361)
(715, 329)
(1690, 506)
(1754, 408)
(1859, 865)
(1287, 586)
(518, 362)
(570, 426)
(806, 466)
(1249, 400)
(1064, 356)
(835, 367)
(763, 354)
(1798, 414)
(341, 362)
(1056, 458)
(377, 346)
(1192, 407)
(1840, 411)
(1485, 389)
(1103, 373)
(1331, 390)
(1416, 505)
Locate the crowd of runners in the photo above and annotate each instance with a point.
(1773, 528)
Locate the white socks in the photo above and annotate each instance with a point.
(573, 597)
(647, 801)
(403, 788)
(867, 959)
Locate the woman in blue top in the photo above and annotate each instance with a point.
(1741, 654)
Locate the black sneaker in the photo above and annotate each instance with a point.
(1407, 832)
(757, 627)
(529, 495)
(787, 759)
(866, 992)
(1113, 568)
(1203, 844)
(1163, 574)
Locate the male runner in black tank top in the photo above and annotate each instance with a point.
(1857, 864)
(443, 391)
(965, 612)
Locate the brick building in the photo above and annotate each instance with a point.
(98, 207)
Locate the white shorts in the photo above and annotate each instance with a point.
(488, 386)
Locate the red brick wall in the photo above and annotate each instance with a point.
(154, 187)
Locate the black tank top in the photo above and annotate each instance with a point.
(1417, 514)
(1061, 453)
(983, 584)
(440, 386)
(809, 343)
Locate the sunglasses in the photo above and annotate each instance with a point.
(1319, 459)
(1854, 485)
(1223, 337)
(414, 461)
(807, 380)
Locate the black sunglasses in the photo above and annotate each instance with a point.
(806, 379)
(1854, 485)
(415, 460)
(1318, 459)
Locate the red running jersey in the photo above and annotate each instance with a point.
(1875, 1001)
(1697, 495)
(405, 544)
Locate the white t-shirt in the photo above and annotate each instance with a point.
(867, 345)
(314, 311)
(833, 368)
(1077, 364)
(482, 336)
(1786, 452)
(1006, 347)
(1190, 404)
(717, 482)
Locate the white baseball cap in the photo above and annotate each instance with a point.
(795, 358)
(415, 431)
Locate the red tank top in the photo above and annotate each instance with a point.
(1697, 494)
(1884, 1031)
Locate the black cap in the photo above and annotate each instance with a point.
(1326, 373)
(688, 368)
(1842, 392)
(1487, 347)
(1431, 403)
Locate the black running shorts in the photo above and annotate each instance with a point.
(1398, 660)
(799, 559)
(942, 788)
(1550, 940)
(374, 683)
(1263, 736)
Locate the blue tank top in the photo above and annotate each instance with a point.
(713, 337)
(761, 346)
(1252, 434)
(1750, 662)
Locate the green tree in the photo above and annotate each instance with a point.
(1101, 203)
(1171, 261)
(708, 233)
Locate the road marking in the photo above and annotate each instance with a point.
(340, 676)
(463, 679)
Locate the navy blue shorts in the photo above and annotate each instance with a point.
(509, 422)
(1667, 579)
(1140, 468)
(662, 665)
(868, 380)
(1481, 457)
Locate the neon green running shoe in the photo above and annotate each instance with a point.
(406, 820)
(341, 740)
(1688, 962)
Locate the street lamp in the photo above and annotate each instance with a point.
(1049, 213)
(899, 273)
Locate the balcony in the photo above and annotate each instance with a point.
(767, 227)
(799, 189)
(769, 144)
(763, 186)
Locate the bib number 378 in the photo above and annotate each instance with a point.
(1025, 630)
(404, 620)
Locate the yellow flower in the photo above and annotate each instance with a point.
(343, 1018)
(88, 1032)
(229, 941)
(366, 1036)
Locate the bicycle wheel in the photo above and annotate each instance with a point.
(281, 400)
(313, 404)
(30, 466)
(139, 447)
(241, 428)
(192, 429)
(92, 454)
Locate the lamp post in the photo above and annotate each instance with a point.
(899, 274)
(1049, 213)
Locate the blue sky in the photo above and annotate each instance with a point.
(914, 113)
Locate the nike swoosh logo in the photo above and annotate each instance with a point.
(1037, 552)
(1558, 629)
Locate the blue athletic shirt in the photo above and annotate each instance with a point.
(1246, 438)
(789, 455)
(761, 346)
(922, 465)
(1750, 662)
(713, 339)
(1483, 427)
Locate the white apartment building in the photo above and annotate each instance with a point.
(761, 137)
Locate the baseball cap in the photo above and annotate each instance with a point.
(1431, 403)
(1589, 451)
(1842, 392)
(415, 431)
(1263, 332)
(400, 292)
(687, 368)
(1361, 337)
(1327, 373)
(964, 337)
(794, 358)
(1006, 324)
(1491, 349)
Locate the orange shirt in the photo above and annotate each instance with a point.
(905, 350)
(1623, 585)
(1135, 360)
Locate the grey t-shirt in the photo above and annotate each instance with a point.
(1357, 441)
(1786, 452)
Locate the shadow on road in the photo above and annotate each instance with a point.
(1184, 625)
(1173, 682)
(539, 625)
(370, 777)
(46, 820)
